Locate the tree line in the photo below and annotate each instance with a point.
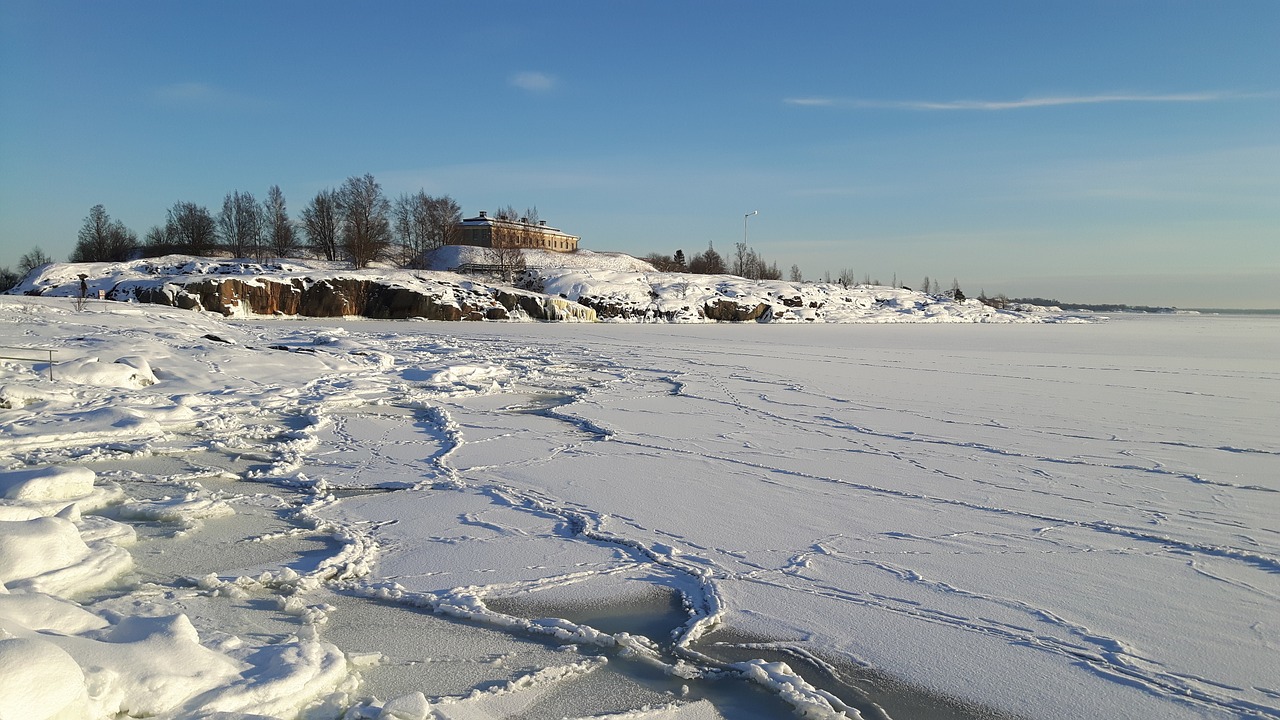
(745, 262)
(354, 222)
(358, 224)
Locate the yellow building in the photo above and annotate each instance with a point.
(485, 231)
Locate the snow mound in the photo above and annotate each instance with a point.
(123, 373)
(46, 484)
(686, 297)
(451, 257)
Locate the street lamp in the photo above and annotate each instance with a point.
(744, 224)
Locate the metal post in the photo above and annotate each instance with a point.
(744, 224)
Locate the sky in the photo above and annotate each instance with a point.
(1108, 151)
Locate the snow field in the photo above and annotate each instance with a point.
(994, 515)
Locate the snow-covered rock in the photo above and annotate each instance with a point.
(580, 286)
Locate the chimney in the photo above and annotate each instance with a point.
(481, 213)
(542, 223)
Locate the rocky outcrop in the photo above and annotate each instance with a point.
(727, 310)
(607, 309)
(315, 288)
(337, 297)
(531, 304)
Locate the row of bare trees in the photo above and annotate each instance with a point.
(248, 228)
(745, 262)
(28, 262)
(355, 222)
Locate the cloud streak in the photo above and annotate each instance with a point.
(1024, 103)
(533, 81)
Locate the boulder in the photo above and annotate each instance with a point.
(726, 310)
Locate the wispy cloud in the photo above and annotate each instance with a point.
(532, 81)
(1030, 102)
(812, 102)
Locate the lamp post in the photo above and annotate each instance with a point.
(744, 224)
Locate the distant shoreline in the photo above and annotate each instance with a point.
(1233, 311)
(1150, 309)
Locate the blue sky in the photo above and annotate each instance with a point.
(1093, 151)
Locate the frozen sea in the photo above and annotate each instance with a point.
(496, 520)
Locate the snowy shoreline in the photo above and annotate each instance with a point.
(866, 493)
(614, 291)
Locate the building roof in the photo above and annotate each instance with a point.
(483, 219)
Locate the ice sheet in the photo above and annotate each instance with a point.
(1042, 521)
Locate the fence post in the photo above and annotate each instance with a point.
(50, 366)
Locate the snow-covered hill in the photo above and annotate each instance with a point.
(602, 286)
(451, 257)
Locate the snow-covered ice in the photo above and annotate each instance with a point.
(438, 520)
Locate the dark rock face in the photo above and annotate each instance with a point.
(337, 297)
(263, 297)
(723, 310)
(532, 304)
(726, 310)
(607, 310)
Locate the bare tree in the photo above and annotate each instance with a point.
(102, 239)
(8, 278)
(847, 277)
(32, 260)
(240, 225)
(192, 229)
(924, 285)
(518, 230)
(320, 223)
(662, 263)
(443, 216)
(744, 260)
(708, 262)
(423, 223)
(506, 232)
(365, 222)
(159, 240)
(406, 215)
(747, 263)
(796, 275)
(506, 260)
(282, 237)
(507, 237)
(91, 241)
